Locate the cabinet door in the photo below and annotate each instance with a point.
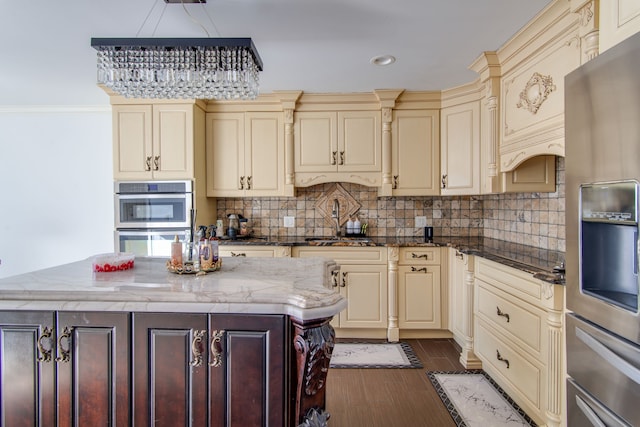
(365, 287)
(460, 149)
(93, 369)
(359, 141)
(173, 141)
(247, 388)
(419, 297)
(225, 154)
(27, 347)
(315, 142)
(264, 154)
(415, 153)
(170, 371)
(132, 142)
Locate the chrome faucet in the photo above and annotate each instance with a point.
(335, 214)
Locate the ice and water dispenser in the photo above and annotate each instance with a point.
(609, 242)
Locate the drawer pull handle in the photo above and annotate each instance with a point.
(147, 164)
(216, 348)
(241, 187)
(341, 158)
(45, 354)
(418, 256)
(423, 269)
(334, 157)
(196, 348)
(64, 352)
(502, 359)
(238, 254)
(500, 313)
(249, 182)
(344, 279)
(334, 278)
(459, 255)
(156, 163)
(395, 182)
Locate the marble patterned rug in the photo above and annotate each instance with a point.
(474, 400)
(374, 355)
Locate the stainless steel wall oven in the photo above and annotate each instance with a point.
(149, 214)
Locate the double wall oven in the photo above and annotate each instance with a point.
(149, 214)
(602, 122)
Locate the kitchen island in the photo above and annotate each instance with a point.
(247, 345)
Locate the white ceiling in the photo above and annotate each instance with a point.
(309, 45)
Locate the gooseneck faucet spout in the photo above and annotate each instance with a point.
(335, 214)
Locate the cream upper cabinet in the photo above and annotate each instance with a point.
(619, 19)
(460, 149)
(415, 153)
(153, 141)
(245, 154)
(362, 279)
(337, 146)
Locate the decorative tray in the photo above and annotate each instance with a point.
(188, 268)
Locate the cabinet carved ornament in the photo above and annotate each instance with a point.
(536, 92)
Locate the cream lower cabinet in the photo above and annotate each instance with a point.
(461, 283)
(518, 337)
(363, 281)
(245, 154)
(254, 251)
(419, 288)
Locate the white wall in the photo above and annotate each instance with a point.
(56, 186)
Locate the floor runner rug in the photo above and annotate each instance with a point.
(474, 400)
(374, 355)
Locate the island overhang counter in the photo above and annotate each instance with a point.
(247, 345)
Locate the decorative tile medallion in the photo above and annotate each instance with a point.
(348, 205)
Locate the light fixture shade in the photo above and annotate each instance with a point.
(205, 68)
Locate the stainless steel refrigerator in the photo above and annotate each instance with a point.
(602, 133)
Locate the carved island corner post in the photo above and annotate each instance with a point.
(313, 343)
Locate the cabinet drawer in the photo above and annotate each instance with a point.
(523, 377)
(518, 320)
(251, 251)
(419, 255)
(344, 255)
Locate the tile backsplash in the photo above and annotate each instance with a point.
(535, 219)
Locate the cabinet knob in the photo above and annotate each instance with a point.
(216, 348)
(241, 183)
(45, 353)
(334, 157)
(147, 164)
(64, 354)
(156, 163)
(444, 181)
(249, 182)
(502, 359)
(196, 348)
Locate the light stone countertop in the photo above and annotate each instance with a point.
(300, 287)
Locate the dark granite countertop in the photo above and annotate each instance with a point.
(539, 262)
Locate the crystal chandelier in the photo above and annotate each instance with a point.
(206, 68)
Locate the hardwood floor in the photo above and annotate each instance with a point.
(393, 397)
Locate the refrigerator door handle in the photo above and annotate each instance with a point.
(613, 359)
(589, 413)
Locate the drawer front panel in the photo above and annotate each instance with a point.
(419, 255)
(354, 255)
(510, 280)
(522, 375)
(521, 322)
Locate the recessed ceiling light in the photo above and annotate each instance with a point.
(383, 60)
